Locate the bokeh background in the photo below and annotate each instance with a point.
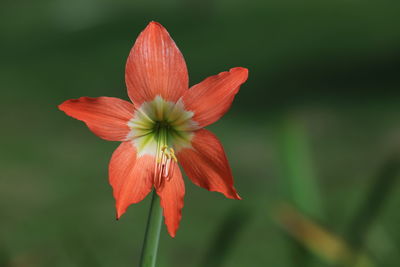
(312, 137)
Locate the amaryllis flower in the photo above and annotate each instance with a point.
(163, 126)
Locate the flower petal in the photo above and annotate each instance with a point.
(171, 194)
(107, 117)
(211, 99)
(130, 177)
(155, 66)
(206, 164)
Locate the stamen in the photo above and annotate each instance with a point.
(165, 165)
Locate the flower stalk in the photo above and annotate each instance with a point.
(150, 244)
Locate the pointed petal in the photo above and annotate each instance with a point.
(206, 164)
(130, 177)
(212, 98)
(155, 66)
(171, 194)
(107, 117)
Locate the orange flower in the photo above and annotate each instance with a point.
(162, 126)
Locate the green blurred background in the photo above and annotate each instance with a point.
(316, 126)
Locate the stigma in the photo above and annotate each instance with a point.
(165, 162)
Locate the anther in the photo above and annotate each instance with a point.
(172, 153)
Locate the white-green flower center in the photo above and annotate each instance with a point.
(160, 124)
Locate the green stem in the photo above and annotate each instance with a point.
(299, 184)
(152, 236)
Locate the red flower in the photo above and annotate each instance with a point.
(162, 126)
